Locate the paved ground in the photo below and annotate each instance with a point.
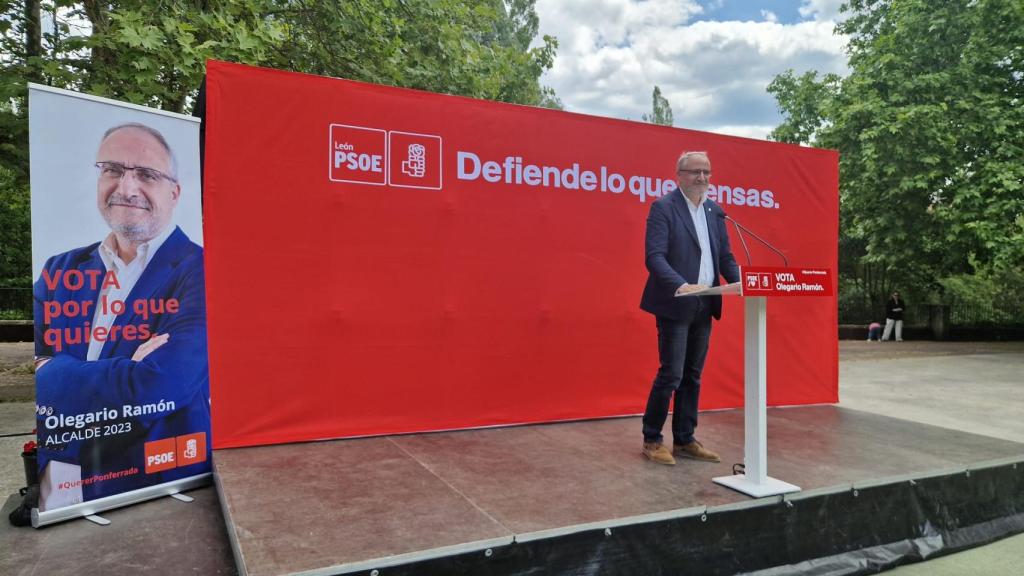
(16, 380)
(17, 419)
(17, 416)
(859, 350)
(979, 389)
(1002, 558)
(971, 386)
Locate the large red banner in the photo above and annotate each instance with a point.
(382, 260)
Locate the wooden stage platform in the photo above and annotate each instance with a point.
(567, 498)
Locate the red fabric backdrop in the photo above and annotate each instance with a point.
(342, 308)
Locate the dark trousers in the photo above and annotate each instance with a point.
(682, 349)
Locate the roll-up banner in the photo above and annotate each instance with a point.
(122, 378)
(384, 260)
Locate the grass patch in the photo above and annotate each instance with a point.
(15, 315)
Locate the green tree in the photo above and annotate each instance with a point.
(805, 103)
(16, 252)
(930, 129)
(661, 111)
(477, 48)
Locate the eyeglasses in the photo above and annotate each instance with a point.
(111, 171)
(704, 173)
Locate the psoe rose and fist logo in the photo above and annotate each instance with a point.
(758, 281)
(362, 155)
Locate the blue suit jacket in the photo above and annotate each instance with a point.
(176, 372)
(673, 256)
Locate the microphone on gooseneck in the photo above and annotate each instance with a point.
(724, 216)
(739, 232)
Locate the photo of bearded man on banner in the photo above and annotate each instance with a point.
(122, 378)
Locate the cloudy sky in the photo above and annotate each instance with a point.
(711, 58)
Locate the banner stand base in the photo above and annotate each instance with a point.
(770, 486)
(97, 520)
(92, 507)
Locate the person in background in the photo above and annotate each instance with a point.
(894, 316)
(874, 332)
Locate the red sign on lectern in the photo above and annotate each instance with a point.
(792, 281)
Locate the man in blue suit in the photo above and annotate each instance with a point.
(687, 249)
(123, 394)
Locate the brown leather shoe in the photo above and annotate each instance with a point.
(696, 451)
(658, 453)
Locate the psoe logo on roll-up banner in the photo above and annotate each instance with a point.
(358, 155)
(160, 455)
(415, 160)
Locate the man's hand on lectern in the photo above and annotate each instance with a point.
(687, 288)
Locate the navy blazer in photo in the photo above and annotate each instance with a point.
(176, 372)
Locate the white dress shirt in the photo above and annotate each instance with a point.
(128, 274)
(706, 276)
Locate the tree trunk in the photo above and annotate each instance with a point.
(97, 13)
(33, 37)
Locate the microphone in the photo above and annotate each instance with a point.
(739, 232)
(721, 214)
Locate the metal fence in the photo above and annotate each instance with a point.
(866, 313)
(957, 314)
(1001, 315)
(16, 302)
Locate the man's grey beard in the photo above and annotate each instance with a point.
(134, 233)
(702, 190)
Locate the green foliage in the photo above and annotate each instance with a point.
(15, 240)
(474, 48)
(155, 53)
(661, 111)
(15, 315)
(804, 101)
(930, 129)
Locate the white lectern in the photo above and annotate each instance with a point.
(755, 286)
